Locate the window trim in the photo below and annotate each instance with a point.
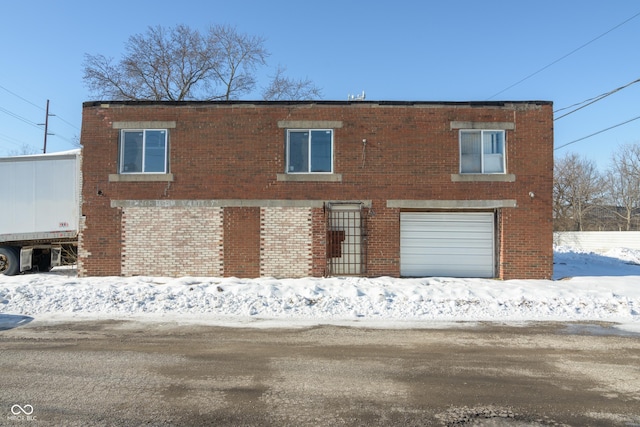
(121, 151)
(309, 150)
(482, 154)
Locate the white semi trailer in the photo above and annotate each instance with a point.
(39, 211)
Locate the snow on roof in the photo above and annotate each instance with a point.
(74, 152)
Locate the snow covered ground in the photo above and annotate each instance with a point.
(587, 287)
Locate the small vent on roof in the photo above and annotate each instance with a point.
(359, 97)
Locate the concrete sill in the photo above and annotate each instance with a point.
(141, 177)
(481, 177)
(310, 177)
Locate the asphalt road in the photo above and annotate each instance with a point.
(120, 373)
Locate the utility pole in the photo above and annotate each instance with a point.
(46, 127)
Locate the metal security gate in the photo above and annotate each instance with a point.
(346, 239)
(454, 244)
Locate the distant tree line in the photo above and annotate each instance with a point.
(586, 199)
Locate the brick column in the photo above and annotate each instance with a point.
(241, 242)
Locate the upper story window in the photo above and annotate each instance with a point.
(309, 151)
(143, 151)
(482, 151)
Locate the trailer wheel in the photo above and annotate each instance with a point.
(9, 261)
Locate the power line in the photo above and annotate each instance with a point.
(18, 96)
(11, 140)
(596, 133)
(37, 106)
(592, 100)
(70, 124)
(16, 116)
(565, 56)
(74, 143)
(35, 125)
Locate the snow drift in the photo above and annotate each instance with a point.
(586, 287)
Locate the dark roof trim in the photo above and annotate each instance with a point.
(283, 103)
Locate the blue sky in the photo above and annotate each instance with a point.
(453, 50)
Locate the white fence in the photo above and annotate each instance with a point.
(595, 241)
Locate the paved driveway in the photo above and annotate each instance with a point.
(127, 373)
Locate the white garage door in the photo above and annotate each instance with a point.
(454, 244)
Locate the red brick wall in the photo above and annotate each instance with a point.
(318, 248)
(242, 242)
(383, 245)
(527, 234)
(99, 252)
(221, 151)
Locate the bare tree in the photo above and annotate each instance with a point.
(179, 64)
(238, 57)
(286, 88)
(577, 189)
(623, 184)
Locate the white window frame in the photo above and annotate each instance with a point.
(482, 154)
(122, 169)
(309, 159)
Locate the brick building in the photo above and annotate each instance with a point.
(295, 189)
